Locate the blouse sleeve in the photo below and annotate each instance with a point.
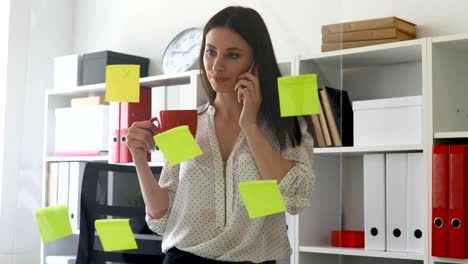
(169, 180)
(297, 184)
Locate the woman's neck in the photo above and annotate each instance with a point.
(227, 106)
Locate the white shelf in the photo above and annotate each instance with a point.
(356, 151)
(450, 260)
(151, 163)
(167, 80)
(361, 252)
(151, 81)
(460, 134)
(79, 90)
(78, 158)
(382, 54)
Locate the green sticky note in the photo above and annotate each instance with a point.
(178, 145)
(261, 198)
(115, 234)
(123, 83)
(298, 95)
(53, 222)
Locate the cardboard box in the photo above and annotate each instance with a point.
(94, 65)
(391, 121)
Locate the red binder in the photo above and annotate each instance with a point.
(440, 223)
(114, 108)
(133, 112)
(458, 204)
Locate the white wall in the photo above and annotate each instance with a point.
(145, 27)
(43, 29)
(39, 31)
(4, 24)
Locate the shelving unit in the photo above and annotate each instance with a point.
(433, 68)
(174, 91)
(374, 72)
(448, 61)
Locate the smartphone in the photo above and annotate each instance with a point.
(251, 67)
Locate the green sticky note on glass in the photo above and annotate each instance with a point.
(298, 95)
(261, 198)
(178, 145)
(123, 83)
(115, 234)
(53, 222)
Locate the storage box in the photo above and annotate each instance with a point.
(392, 121)
(82, 129)
(94, 65)
(67, 71)
(347, 238)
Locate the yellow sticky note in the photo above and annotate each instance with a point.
(298, 95)
(53, 222)
(261, 198)
(123, 83)
(178, 145)
(115, 234)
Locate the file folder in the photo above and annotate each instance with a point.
(415, 204)
(63, 183)
(130, 113)
(440, 223)
(114, 108)
(374, 202)
(458, 195)
(74, 193)
(396, 184)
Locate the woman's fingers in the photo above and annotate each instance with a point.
(146, 137)
(246, 87)
(140, 135)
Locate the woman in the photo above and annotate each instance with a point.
(196, 205)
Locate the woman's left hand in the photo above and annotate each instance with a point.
(248, 92)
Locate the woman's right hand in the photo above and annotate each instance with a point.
(140, 138)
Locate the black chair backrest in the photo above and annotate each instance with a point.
(112, 191)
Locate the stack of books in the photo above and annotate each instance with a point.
(333, 125)
(366, 32)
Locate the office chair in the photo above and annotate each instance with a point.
(112, 191)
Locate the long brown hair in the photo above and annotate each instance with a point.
(250, 26)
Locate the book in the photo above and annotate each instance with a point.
(385, 22)
(323, 124)
(339, 113)
(372, 34)
(355, 44)
(86, 101)
(317, 131)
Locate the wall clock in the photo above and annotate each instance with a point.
(183, 51)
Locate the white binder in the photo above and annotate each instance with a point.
(74, 194)
(63, 182)
(374, 201)
(415, 203)
(396, 170)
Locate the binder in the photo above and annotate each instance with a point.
(114, 108)
(396, 170)
(52, 183)
(458, 208)
(374, 202)
(74, 193)
(63, 183)
(440, 223)
(130, 113)
(415, 204)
